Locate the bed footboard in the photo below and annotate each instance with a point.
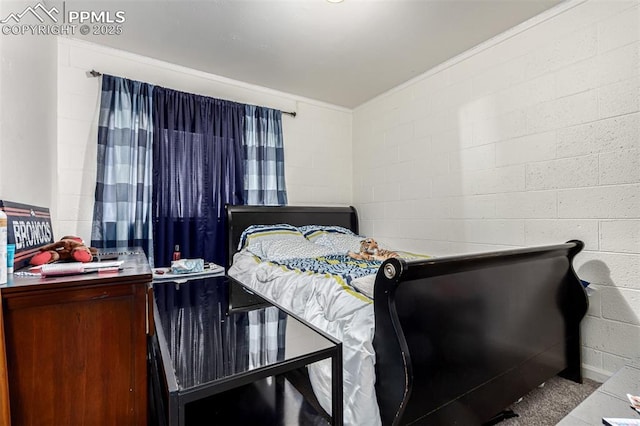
(458, 339)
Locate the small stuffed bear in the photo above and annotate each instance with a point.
(68, 248)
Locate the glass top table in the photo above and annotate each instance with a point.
(213, 335)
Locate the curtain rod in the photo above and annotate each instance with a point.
(94, 73)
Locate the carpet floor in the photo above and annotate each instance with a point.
(548, 404)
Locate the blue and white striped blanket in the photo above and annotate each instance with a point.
(342, 266)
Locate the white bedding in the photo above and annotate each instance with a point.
(334, 307)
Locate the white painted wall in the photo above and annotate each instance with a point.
(317, 141)
(531, 138)
(27, 115)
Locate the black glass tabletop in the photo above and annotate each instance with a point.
(208, 341)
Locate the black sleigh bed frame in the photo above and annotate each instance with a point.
(459, 338)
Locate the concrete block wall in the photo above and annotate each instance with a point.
(317, 140)
(531, 138)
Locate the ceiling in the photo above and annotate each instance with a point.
(341, 53)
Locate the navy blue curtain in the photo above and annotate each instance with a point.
(198, 167)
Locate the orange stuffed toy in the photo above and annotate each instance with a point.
(68, 248)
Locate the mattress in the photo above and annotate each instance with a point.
(330, 302)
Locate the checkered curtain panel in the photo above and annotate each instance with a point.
(122, 209)
(264, 157)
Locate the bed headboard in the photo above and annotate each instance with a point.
(240, 217)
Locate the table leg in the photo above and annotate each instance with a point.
(336, 387)
(279, 385)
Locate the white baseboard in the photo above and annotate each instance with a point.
(596, 374)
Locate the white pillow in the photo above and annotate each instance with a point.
(256, 233)
(340, 243)
(280, 250)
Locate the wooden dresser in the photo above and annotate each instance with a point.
(73, 348)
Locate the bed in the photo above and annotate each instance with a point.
(454, 340)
